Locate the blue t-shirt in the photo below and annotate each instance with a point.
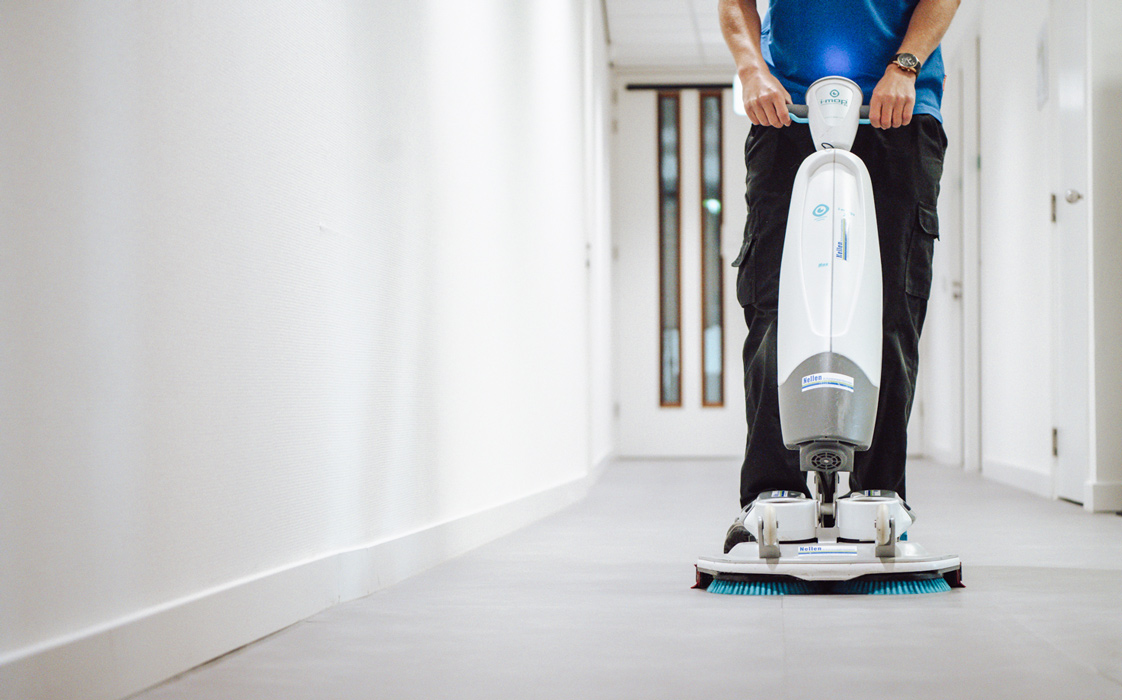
(804, 40)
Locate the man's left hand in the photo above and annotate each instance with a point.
(893, 99)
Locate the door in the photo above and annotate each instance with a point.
(678, 217)
(971, 134)
(1071, 253)
(941, 350)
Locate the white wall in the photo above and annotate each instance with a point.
(1015, 241)
(294, 304)
(1106, 202)
(598, 105)
(1021, 148)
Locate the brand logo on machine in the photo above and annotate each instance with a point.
(843, 243)
(828, 380)
(819, 549)
(834, 98)
(820, 211)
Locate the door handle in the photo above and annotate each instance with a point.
(1072, 196)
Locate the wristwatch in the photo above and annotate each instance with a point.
(907, 62)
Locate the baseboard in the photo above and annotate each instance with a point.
(124, 656)
(1103, 496)
(1018, 477)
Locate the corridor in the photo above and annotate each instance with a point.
(595, 602)
(393, 350)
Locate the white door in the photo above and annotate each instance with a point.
(941, 351)
(1071, 253)
(679, 386)
(971, 131)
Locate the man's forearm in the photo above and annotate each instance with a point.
(765, 98)
(740, 25)
(894, 96)
(928, 24)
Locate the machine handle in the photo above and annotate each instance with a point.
(798, 114)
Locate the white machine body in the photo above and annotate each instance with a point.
(796, 517)
(860, 515)
(830, 293)
(827, 561)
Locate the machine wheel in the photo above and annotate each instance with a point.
(771, 527)
(883, 526)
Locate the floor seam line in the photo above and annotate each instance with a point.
(1074, 659)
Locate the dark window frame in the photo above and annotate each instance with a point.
(720, 267)
(674, 95)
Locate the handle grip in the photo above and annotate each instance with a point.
(800, 111)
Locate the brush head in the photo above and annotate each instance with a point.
(794, 586)
(842, 568)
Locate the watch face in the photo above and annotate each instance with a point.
(907, 60)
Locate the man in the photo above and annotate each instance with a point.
(890, 48)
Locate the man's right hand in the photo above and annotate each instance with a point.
(765, 98)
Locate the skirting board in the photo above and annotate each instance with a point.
(1018, 477)
(127, 655)
(1103, 496)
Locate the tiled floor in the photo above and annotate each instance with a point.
(595, 602)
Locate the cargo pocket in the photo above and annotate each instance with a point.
(921, 251)
(745, 284)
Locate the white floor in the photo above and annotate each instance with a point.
(595, 602)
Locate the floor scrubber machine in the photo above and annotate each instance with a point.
(829, 345)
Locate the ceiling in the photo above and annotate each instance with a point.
(679, 34)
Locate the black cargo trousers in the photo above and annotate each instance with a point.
(905, 165)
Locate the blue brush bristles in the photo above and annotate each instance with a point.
(891, 587)
(783, 587)
(858, 587)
